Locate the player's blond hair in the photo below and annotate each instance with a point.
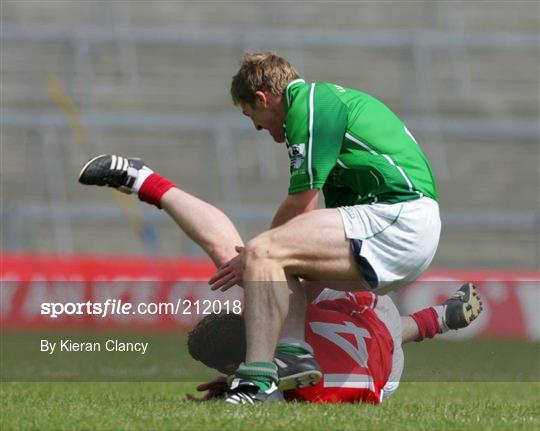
(261, 71)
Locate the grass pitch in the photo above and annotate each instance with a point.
(162, 406)
(431, 397)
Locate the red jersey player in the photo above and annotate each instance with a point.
(356, 338)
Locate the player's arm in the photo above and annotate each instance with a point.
(296, 204)
(315, 133)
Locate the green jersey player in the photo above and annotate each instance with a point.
(380, 229)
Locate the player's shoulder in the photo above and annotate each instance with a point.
(339, 89)
(309, 95)
(299, 93)
(296, 91)
(329, 90)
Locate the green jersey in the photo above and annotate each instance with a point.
(351, 146)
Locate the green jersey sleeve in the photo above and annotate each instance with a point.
(314, 127)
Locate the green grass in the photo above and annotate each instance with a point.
(167, 360)
(500, 390)
(162, 406)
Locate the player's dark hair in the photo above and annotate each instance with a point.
(218, 341)
(261, 71)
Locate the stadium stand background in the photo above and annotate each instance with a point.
(152, 81)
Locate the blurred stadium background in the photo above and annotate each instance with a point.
(80, 78)
(152, 81)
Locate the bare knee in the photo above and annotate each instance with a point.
(262, 249)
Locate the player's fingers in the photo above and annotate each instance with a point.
(235, 281)
(221, 277)
(227, 282)
(229, 263)
(215, 382)
(224, 282)
(206, 386)
(222, 271)
(217, 282)
(196, 399)
(227, 286)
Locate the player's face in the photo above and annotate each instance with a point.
(268, 116)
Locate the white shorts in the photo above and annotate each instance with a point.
(393, 244)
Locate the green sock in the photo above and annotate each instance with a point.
(295, 349)
(262, 374)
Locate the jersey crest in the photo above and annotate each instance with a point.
(297, 154)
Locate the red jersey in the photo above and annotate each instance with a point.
(353, 347)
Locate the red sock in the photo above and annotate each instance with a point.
(427, 322)
(153, 188)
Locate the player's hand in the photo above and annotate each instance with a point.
(215, 389)
(229, 274)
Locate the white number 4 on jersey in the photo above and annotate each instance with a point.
(333, 331)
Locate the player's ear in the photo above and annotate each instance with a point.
(261, 98)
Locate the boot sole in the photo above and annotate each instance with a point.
(300, 380)
(473, 307)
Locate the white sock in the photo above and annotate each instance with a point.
(441, 312)
(142, 175)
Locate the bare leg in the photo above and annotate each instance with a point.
(266, 306)
(203, 223)
(294, 326)
(311, 246)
